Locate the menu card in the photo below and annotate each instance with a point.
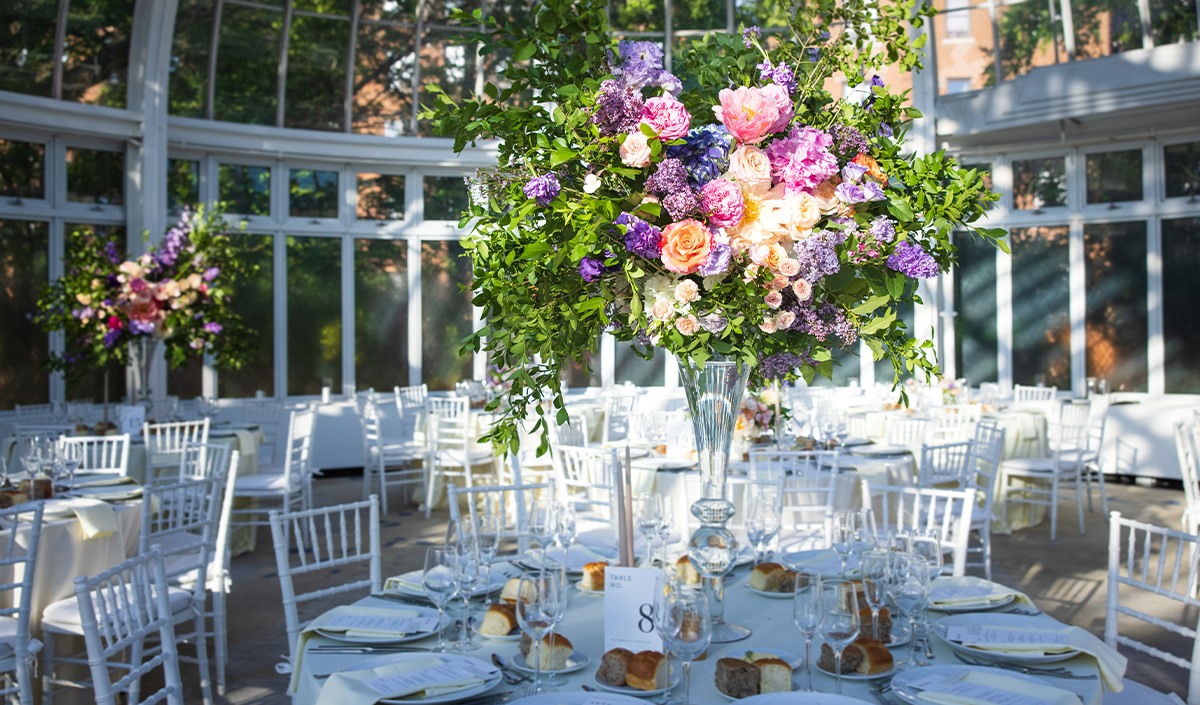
(979, 635)
(629, 609)
(960, 687)
(382, 625)
(957, 593)
(419, 680)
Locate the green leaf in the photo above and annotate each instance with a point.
(901, 209)
(561, 155)
(870, 305)
(525, 50)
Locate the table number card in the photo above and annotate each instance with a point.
(681, 438)
(629, 609)
(131, 419)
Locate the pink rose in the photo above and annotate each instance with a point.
(780, 282)
(685, 245)
(721, 201)
(748, 113)
(667, 117)
(751, 168)
(783, 103)
(774, 299)
(663, 309)
(789, 267)
(687, 291)
(687, 325)
(767, 326)
(635, 150)
(784, 320)
(802, 289)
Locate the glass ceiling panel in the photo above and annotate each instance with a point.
(325, 7)
(316, 73)
(248, 65)
(27, 46)
(392, 10)
(188, 88)
(97, 51)
(636, 15)
(383, 76)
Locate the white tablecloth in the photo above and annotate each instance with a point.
(770, 620)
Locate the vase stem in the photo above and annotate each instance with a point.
(141, 355)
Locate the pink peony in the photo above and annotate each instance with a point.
(802, 160)
(783, 103)
(748, 113)
(635, 151)
(721, 201)
(667, 117)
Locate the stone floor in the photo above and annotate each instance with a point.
(1066, 578)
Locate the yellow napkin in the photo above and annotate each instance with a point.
(999, 681)
(351, 687)
(998, 593)
(96, 517)
(105, 482)
(348, 610)
(411, 580)
(1112, 664)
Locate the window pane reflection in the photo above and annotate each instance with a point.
(314, 194)
(445, 314)
(383, 80)
(316, 73)
(95, 177)
(1173, 22)
(1182, 162)
(188, 89)
(1114, 176)
(1104, 29)
(380, 313)
(975, 298)
(629, 367)
(91, 385)
(638, 16)
(577, 376)
(254, 301)
(380, 197)
(1181, 289)
(22, 169)
(183, 184)
(1116, 304)
(450, 64)
(24, 269)
(247, 65)
(964, 48)
(27, 29)
(698, 14)
(1041, 320)
(1039, 183)
(246, 190)
(314, 314)
(97, 52)
(1029, 37)
(446, 197)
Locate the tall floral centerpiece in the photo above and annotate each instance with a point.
(733, 212)
(113, 308)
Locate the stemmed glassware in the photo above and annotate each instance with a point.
(665, 524)
(763, 519)
(665, 585)
(648, 511)
(487, 534)
(565, 529)
(806, 613)
(926, 546)
(842, 535)
(439, 583)
(685, 627)
(542, 525)
(839, 619)
(866, 536)
(873, 566)
(556, 576)
(537, 604)
(910, 592)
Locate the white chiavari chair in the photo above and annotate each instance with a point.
(30, 412)
(620, 403)
(100, 455)
(410, 398)
(20, 560)
(911, 431)
(1039, 398)
(1188, 449)
(945, 464)
(327, 540)
(573, 433)
(269, 416)
(388, 462)
(289, 483)
(989, 447)
(509, 502)
(165, 442)
(809, 480)
(955, 422)
(454, 451)
(1152, 569)
(906, 509)
(1070, 434)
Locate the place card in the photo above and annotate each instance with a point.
(681, 438)
(131, 419)
(629, 609)
(980, 635)
(387, 625)
(416, 681)
(958, 687)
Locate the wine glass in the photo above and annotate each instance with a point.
(839, 619)
(866, 536)
(927, 545)
(665, 524)
(910, 591)
(806, 613)
(842, 535)
(537, 603)
(542, 525)
(762, 520)
(685, 627)
(556, 576)
(566, 529)
(648, 510)
(873, 566)
(439, 583)
(487, 535)
(466, 577)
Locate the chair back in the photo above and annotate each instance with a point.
(98, 454)
(1158, 569)
(587, 477)
(574, 432)
(297, 459)
(119, 609)
(741, 489)
(774, 464)
(165, 442)
(410, 398)
(809, 494)
(509, 502)
(201, 460)
(34, 411)
(449, 426)
(182, 520)
(988, 450)
(907, 430)
(327, 540)
(946, 464)
(619, 406)
(268, 416)
(53, 431)
(905, 509)
(1033, 397)
(1071, 430)
(20, 559)
(1189, 467)
(955, 422)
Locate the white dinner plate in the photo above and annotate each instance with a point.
(794, 660)
(981, 605)
(906, 693)
(857, 676)
(1010, 621)
(772, 595)
(108, 493)
(587, 591)
(878, 450)
(373, 640)
(797, 698)
(579, 697)
(627, 690)
(575, 662)
(853, 441)
(493, 679)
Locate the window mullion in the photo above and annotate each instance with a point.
(281, 88)
(414, 209)
(355, 13)
(60, 48)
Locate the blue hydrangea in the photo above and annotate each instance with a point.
(704, 153)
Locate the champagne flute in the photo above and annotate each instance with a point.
(648, 512)
(556, 578)
(466, 577)
(439, 584)
(685, 626)
(866, 535)
(927, 545)
(665, 585)
(806, 613)
(874, 567)
(566, 529)
(843, 535)
(911, 593)
(839, 619)
(542, 525)
(487, 534)
(665, 524)
(535, 614)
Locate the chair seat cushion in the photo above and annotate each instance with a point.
(264, 482)
(458, 457)
(63, 615)
(1028, 466)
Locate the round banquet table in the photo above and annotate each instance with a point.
(770, 619)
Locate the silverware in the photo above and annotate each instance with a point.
(928, 649)
(588, 688)
(506, 671)
(349, 649)
(1058, 672)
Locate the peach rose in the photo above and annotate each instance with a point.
(802, 289)
(872, 166)
(774, 299)
(687, 291)
(686, 245)
(789, 267)
(635, 150)
(774, 255)
(784, 320)
(751, 168)
(780, 282)
(662, 309)
(827, 200)
(688, 325)
(767, 326)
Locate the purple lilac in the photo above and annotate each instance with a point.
(642, 66)
(670, 177)
(544, 188)
(780, 75)
(749, 35)
(909, 259)
(704, 153)
(110, 338)
(641, 238)
(211, 273)
(883, 229)
(173, 244)
(618, 109)
(848, 141)
(681, 204)
(213, 328)
(111, 252)
(818, 255)
(718, 260)
(141, 327)
(780, 365)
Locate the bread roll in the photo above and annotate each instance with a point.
(885, 623)
(737, 678)
(876, 657)
(613, 666)
(500, 620)
(647, 670)
(775, 675)
(851, 657)
(593, 576)
(555, 651)
(509, 593)
(765, 577)
(686, 572)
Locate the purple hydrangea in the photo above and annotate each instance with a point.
(719, 258)
(883, 229)
(618, 109)
(214, 328)
(590, 268)
(781, 75)
(543, 188)
(670, 177)
(909, 259)
(848, 141)
(704, 153)
(211, 273)
(111, 251)
(110, 338)
(641, 238)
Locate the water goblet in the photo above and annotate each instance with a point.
(910, 591)
(536, 606)
(842, 535)
(685, 627)
(556, 577)
(439, 584)
(806, 613)
(839, 619)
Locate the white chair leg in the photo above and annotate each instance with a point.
(429, 490)
(1079, 500)
(48, 662)
(383, 498)
(220, 638)
(986, 535)
(1053, 507)
(202, 653)
(1103, 492)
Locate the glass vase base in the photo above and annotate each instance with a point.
(728, 632)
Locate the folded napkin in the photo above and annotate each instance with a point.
(353, 627)
(427, 676)
(1111, 664)
(968, 591)
(96, 517)
(986, 687)
(413, 580)
(107, 481)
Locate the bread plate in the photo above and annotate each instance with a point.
(794, 660)
(627, 690)
(858, 676)
(575, 662)
(772, 595)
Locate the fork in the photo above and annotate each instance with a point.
(1059, 672)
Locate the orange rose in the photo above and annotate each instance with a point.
(686, 246)
(872, 167)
